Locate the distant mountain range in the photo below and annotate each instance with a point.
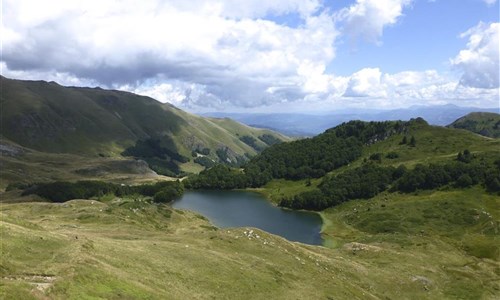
(295, 124)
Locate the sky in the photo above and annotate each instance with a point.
(262, 55)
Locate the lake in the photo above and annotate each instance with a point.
(239, 209)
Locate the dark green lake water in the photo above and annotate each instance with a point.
(240, 209)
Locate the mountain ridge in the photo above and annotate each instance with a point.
(93, 122)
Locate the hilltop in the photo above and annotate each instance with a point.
(483, 123)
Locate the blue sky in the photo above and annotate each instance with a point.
(424, 38)
(262, 56)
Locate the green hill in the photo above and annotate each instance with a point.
(93, 122)
(483, 123)
(301, 166)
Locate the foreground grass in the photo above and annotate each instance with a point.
(129, 249)
(447, 240)
(391, 247)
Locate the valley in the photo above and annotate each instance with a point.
(86, 208)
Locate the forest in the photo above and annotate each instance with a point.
(305, 158)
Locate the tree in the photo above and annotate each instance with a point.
(464, 181)
(404, 141)
(392, 155)
(492, 180)
(465, 157)
(413, 142)
(376, 157)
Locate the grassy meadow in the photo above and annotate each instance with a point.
(432, 245)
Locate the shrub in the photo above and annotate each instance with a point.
(204, 161)
(392, 155)
(167, 195)
(376, 157)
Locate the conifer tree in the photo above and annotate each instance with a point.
(413, 142)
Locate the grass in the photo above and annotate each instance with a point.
(449, 237)
(216, 133)
(34, 166)
(119, 253)
(277, 189)
(434, 144)
(480, 122)
(192, 167)
(441, 245)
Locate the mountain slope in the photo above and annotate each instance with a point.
(483, 123)
(47, 117)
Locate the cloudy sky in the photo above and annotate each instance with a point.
(262, 55)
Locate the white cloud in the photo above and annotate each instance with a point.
(61, 78)
(365, 83)
(490, 2)
(366, 19)
(412, 78)
(370, 88)
(220, 48)
(229, 54)
(479, 62)
(163, 92)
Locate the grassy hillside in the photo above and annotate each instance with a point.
(23, 165)
(446, 241)
(483, 123)
(126, 248)
(93, 122)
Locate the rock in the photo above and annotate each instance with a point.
(426, 282)
(10, 150)
(355, 247)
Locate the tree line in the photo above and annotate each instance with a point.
(371, 179)
(61, 191)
